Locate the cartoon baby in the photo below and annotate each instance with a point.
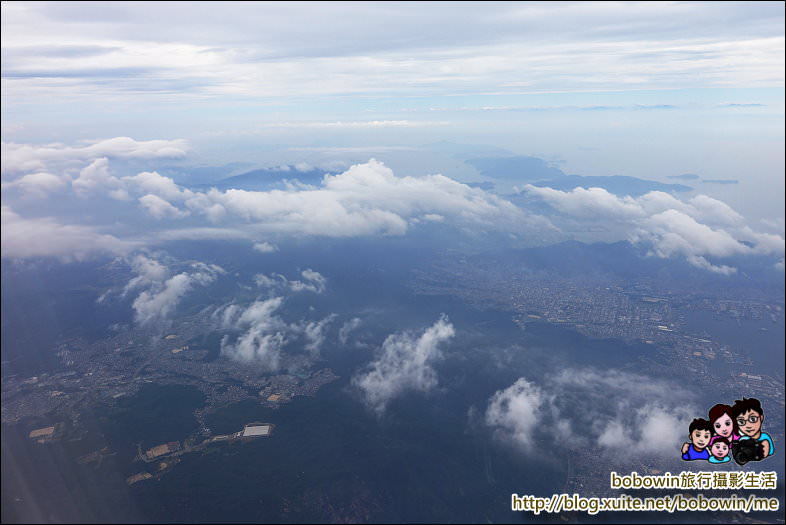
(719, 450)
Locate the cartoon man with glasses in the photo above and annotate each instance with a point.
(749, 417)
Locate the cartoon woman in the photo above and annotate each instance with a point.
(723, 425)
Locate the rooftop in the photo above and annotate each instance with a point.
(256, 430)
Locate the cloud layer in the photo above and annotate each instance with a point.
(26, 157)
(365, 199)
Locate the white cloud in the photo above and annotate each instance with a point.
(152, 182)
(368, 199)
(265, 247)
(263, 281)
(699, 228)
(150, 305)
(619, 413)
(674, 232)
(591, 202)
(263, 336)
(713, 211)
(38, 184)
(164, 293)
(313, 281)
(149, 272)
(27, 157)
(404, 363)
(347, 328)
(516, 411)
(314, 333)
(45, 237)
(95, 177)
(198, 233)
(700, 262)
(160, 209)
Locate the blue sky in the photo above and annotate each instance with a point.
(650, 90)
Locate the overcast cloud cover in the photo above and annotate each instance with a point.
(248, 49)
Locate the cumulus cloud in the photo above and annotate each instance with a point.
(674, 232)
(314, 333)
(148, 272)
(160, 209)
(163, 293)
(516, 411)
(695, 229)
(404, 363)
(312, 281)
(369, 199)
(700, 262)
(714, 211)
(95, 177)
(263, 332)
(153, 183)
(38, 184)
(265, 247)
(366, 199)
(347, 328)
(592, 202)
(619, 413)
(273, 281)
(45, 237)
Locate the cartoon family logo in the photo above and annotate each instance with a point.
(731, 432)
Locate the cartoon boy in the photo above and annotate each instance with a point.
(719, 450)
(700, 434)
(750, 416)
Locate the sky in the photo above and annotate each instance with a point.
(650, 90)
